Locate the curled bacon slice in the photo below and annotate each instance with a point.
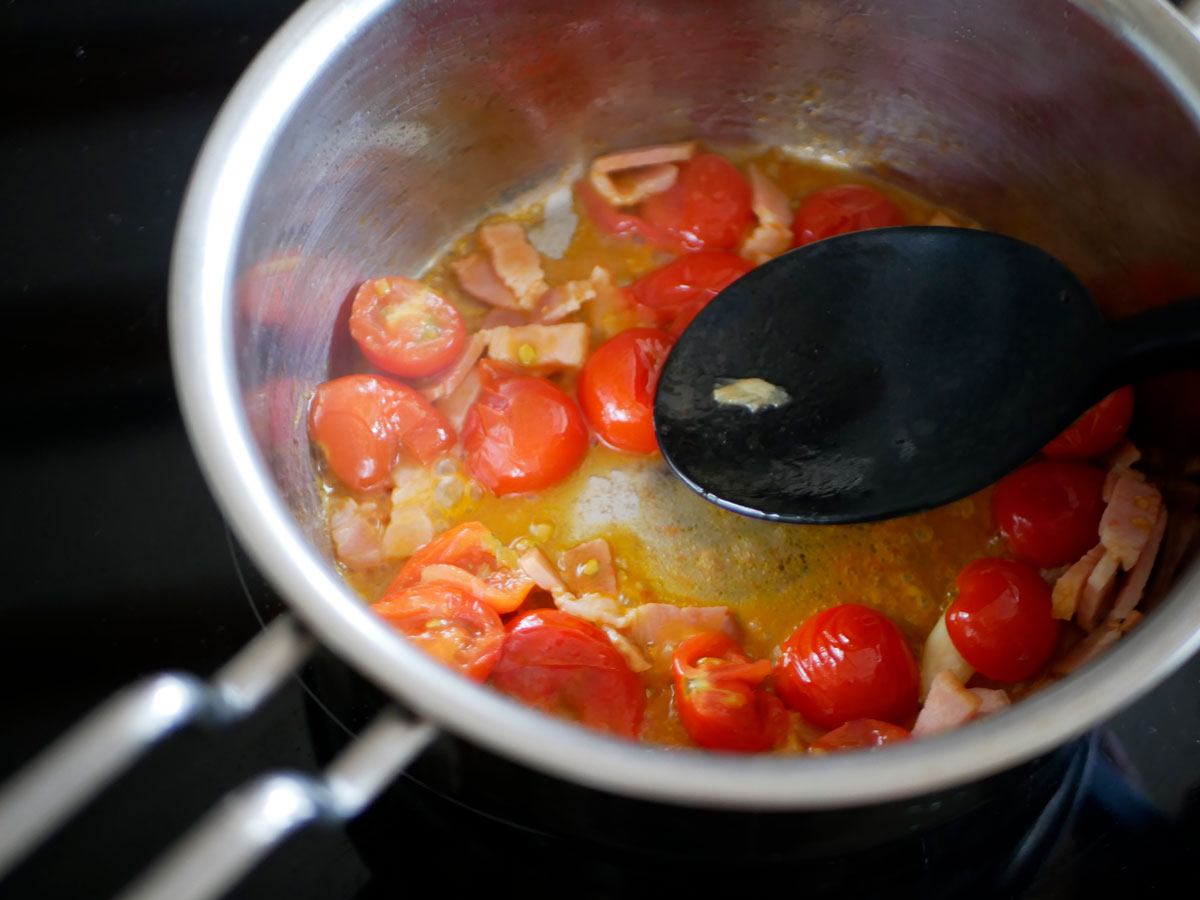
(773, 233)
(630, 176)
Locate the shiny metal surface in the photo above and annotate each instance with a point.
(369, 133)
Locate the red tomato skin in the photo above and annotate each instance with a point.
(449, 624)
(616, 388)
(400, 348)
(1001, 621)
(707, 208)
(848, 662)
(360, 422)
(611, 221)
(718, 697)
(1097, 431)
(1049, 511)
(691, 277)
(522, 434)
(841, 209)
(859, 734)
(565, 666)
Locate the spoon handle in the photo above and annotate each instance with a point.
(1162, 339)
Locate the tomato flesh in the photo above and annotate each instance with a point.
(405, 328)
(858, 734)
(1049, 511)
(1097, 431)
(448, 624)
(522, 434)
(616, 388)
(360, 423)
(718, 696)
(841, 209)
(674, 294)
(708, 206)
(496, 576)
(848, 662)
(1001, 621)
(567, 667)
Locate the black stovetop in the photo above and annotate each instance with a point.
(118, 561)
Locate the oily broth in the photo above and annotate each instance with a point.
(668, 544)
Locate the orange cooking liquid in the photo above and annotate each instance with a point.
(671, 546)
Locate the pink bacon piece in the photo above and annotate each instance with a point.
(660, 627)
(1117, 463)
(1069, 588)
(1088, 649)
(630, 176)
(588, 569)
(1130, 593)
(515, 261)
(948, 706)
(444, 383)
(477, 276)
(773, 233)
(1128, 520)
(540, 349)
(990, 701)
(535, 564)
(357, 531)
(455, 405)
(1097, 594)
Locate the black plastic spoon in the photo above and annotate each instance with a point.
(921, 364)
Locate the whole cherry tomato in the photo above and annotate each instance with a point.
(523, 433)
(858, 734)
(1001, 621)
(446, 623)
(490, 571)
(360, 422)
(708, 206)
(567, 667)
(405, 328)
(848, 662)
(1097, 431)
(718, 696)
(679, 290)
(841, 209)
(612, 221)
(616, 388)
(1050, 511)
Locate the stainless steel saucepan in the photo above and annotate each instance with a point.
(369, 133)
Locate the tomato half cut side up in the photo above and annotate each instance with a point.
(841, 209)
(1049, 511)
(448, 624)
(361, 422)
(848, 662)
(405, 328)
(707, 208)
(523, 433)
(1002, 621)
(1097, 431)
(567, 667)
(859, 734)
(490, 571)
(719, 698)
(616, 388)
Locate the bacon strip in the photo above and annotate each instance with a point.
(535, 564)
(444, 383)
(1128, 519)
(990, 701)
(588, 569)
(634, 658)
(630, 176)
(1118, 463)
(459, 401)
(540, 349)
(560, 301)
(948, 706)
(1087, 649)
(1135, 583)
(356, 529)
(1069, 588)
(596, 608)
(1097, 594)
(515, 261)
(658, 628)
(773, 233)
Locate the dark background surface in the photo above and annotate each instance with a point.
(119, 564)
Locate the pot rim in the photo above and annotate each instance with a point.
(201, 329)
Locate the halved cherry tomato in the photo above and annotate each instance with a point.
(718, 696)
(1001, 621)
(567, 667)
(841, 209)
(490, 571)
(360, 422)
(858, 734)
(616, 388)
(1097, 431)
(708, 206)
(405, 328)
(1050, 511)
(447, 623)
(683, 287)
(523, 433)
(848, 662)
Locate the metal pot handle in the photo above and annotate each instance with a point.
(249, 822)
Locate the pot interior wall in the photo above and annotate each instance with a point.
(1027, 115)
